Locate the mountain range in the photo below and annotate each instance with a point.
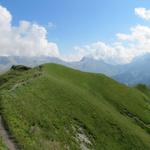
(136, 72)
(132, 73)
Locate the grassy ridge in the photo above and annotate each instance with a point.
(55, 107)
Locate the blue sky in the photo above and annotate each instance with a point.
(78, 22)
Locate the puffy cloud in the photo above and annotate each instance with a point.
(143, 13)
(123, 50)
(26, 39)
(5, 19)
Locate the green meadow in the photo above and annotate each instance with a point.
(52, 107)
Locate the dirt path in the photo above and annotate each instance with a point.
(11, 145)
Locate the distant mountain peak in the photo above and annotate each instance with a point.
(90, 58)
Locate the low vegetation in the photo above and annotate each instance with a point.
(52, 107)
(2, 145)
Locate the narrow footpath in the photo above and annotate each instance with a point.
(8, 141)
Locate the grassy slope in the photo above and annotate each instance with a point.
(47, 109)
(2, 145)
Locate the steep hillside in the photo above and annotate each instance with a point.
(54, 107)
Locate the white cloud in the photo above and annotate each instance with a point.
(143, 13)
(27, 39)
(123, 50)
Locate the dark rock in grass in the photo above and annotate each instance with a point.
(20, 68)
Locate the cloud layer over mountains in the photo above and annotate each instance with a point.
(30, 39)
